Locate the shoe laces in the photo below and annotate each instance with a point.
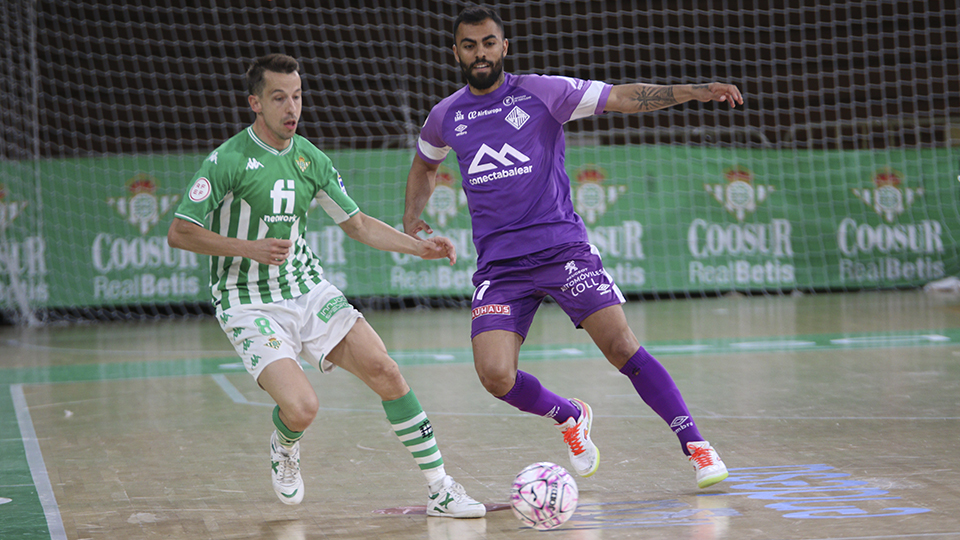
(703, 457)
(571, 436)
(457, 491)
(289, 467)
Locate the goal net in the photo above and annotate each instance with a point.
(838, 173)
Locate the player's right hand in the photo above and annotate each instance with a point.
(437, 247)
(272, 251)
(717, 92)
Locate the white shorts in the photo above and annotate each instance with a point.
(307, 327)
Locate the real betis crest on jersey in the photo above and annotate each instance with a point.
(303, 164)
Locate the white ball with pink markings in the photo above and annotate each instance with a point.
(544, 495)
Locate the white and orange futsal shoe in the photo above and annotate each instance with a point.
(584, 455)
(707, 463)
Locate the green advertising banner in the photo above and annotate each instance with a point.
(670, 219)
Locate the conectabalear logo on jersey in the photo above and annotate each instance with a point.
(141, 206)
(502, 163)
(447, 198)
(9, 209)
(739, 195)
(592, 197)
(888, 198)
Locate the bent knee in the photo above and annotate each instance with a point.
(383, 368)
(620, 351)
(497, 381)
(300, 414)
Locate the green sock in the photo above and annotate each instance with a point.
(287, 437)
(414, 430)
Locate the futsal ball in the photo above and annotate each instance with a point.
(544, 496)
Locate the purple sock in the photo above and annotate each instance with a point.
(530, 396)
(658, 390)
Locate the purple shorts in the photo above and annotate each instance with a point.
(509, 292)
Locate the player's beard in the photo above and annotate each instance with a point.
(482, 83)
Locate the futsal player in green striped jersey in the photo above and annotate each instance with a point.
(247, 209)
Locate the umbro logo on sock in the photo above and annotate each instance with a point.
(680, 423)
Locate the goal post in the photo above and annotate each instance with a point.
(840, 171)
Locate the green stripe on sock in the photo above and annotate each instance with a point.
(425, 453)
(432, 465)
(287, 436)
(402, 409)
(411, 429)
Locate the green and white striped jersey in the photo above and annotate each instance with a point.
(247, 189)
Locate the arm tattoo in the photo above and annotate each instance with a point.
(650, 98)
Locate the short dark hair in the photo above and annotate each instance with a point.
(277, 63)
(476, 15)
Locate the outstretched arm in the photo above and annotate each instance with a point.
(378, 235)
(192, 237)
(420, 185)
(639, 97)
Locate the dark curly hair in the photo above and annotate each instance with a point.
(476, 15)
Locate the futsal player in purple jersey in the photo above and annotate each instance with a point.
(507, 133)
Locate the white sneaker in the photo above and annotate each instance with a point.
(285, 465)
(584, 455)
(710, 468)
(452, 501)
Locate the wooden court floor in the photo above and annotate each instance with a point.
(837, 414)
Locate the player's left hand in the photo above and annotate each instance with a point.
(437, 247)
(717, 92)
(413, 225)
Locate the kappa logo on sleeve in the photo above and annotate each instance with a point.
(490, 309)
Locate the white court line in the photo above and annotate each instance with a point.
(103, 351)
(776, 344)
(677, 348)
(239, 398)
(41, 480)
(235, 394)
(890, 340)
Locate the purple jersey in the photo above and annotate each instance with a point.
(510, 147)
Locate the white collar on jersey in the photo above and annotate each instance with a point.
(267, 147)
